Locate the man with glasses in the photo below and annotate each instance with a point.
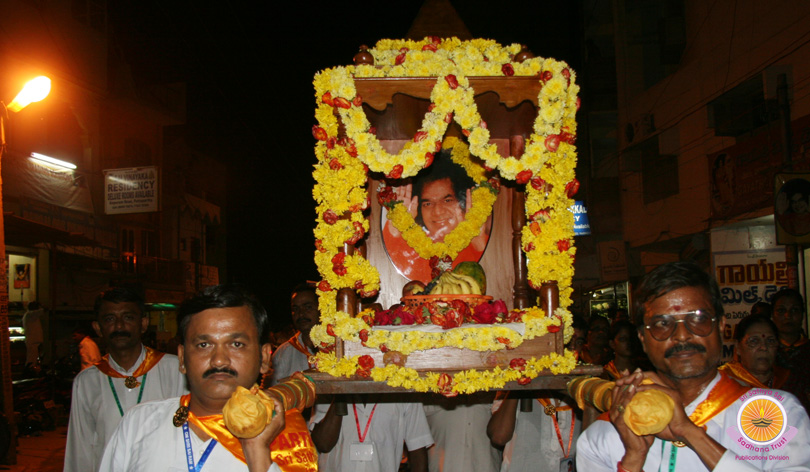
(679, 315)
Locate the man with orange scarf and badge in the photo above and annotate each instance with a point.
(226, 422)
(688, 416)
(129, 374)
(293, 355)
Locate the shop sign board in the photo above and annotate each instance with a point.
(741, 175)
(582, 226)
(746, 277)
(131, 190)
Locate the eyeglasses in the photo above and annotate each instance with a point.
(755, 342)
(698, 322)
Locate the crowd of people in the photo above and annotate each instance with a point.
(138, 409)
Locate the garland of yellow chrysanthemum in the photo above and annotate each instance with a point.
(468, 381)
(341, 176)
(483, 199)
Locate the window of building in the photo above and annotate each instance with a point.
(659, 172)
(742, 110)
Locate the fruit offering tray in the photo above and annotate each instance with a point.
(413, 302)
(519, 328)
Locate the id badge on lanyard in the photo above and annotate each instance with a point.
(362, 450)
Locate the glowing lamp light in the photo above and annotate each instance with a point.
(35, 90)
(52, 160)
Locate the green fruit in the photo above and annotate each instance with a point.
(474, 270)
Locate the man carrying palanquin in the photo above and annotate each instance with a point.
(293, 355)
(679, 314)
(224, 345)
(129, 374)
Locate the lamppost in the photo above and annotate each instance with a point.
(34, 90)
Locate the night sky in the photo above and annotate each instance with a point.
(251, 102)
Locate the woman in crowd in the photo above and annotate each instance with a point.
(627, 352)
(755, 354)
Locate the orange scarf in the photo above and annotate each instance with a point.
(736, 370)
(724, 393)
(297, 344)
(150, 360)
(292, 449)
(611, 369)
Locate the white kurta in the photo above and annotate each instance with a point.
(534, 444)
(94, 413)
(599, 447)
(147, 441)
(459, 428)
(391, 425)
(288, 360)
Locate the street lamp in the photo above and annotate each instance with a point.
(33, 91)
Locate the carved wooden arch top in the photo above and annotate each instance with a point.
(378, 92)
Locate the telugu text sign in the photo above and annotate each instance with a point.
(745, 278)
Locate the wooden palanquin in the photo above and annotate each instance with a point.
(395, 107)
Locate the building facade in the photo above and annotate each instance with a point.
(142, 208)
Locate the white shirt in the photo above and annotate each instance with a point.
(32, 326)
(94, 413)
(288, 360)
(534, 444)
(459, 428)
(390, 426)
(599, 447)
(147, 441)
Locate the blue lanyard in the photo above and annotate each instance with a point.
(190, 452)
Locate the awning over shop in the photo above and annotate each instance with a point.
(22, 232)
(25, 177)
(201, 208)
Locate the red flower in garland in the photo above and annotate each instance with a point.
(365, 362)
(563, 245)
(571, 188)
(341, 102)
(324, 286)
(396, 172)
(327, 99)
(428, 159)
(523, 177)
(524, 381)
(552, 142)
(538, 184)
(452, 81)
(518, 364)
(508, 70)
(319, 133)
(330, 217)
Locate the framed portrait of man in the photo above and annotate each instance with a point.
(438, 199)
(792, 208)
(22, 275)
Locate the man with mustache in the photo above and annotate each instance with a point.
(223, 335)
(293, 355)
(679, 316)
(129, 374)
